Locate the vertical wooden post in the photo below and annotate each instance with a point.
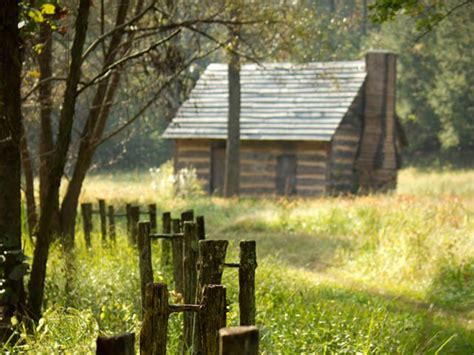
(201, 228)
(134, 218)
(210, 268)
(190, 279)
(103, 219)
(177, 249)
(123, 344)
(129, 222)
(87, 222)
(212, 317)
(154, 333)
(152, 214)
(248, 264)
(238, 341)
(144, 258)
(111, 215)
(165, 244)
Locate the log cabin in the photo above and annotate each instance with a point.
(310, 129)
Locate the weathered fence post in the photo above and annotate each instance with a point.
(248, 264)
(212, 317)
(190, 279)
(128, 218)
(111, 215)
(134, 218)
(103, 219)
(187, 216)
(123, 344)
(154, 331)
(210, 268)
(152, 214)
(144, 258)
(165, 244)
(86, 211)
(177, 249)
(201, 227)
(238, 341)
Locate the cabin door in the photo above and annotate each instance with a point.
(286, 175)
(217, 170)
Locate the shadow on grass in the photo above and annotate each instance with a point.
(453, 287)
(308, 318)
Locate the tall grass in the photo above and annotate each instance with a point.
(376, 274)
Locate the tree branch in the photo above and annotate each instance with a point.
(101, 38)
(108, 70)
(454, 8)
(154, 98)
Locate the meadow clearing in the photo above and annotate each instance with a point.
(391, 273)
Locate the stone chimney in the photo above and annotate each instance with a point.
(377, 159)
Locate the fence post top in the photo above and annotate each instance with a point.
(243, 329)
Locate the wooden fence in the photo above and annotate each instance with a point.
(197, 266)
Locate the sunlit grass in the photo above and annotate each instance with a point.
(389, 273)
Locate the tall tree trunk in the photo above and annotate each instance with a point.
(94, 128)
(32, 217)
(46, 143)
(10, 154)
(66, 119)
(232, 161)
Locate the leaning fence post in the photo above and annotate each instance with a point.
(190, 251)
(248, 264)
(103, 219)
(111, 215)
(177, 248)
(210, 268)
(152, 214)
(201, 228)
(212, 317)
(123, 344)
(154, 331)
(165, 244)
(238, 341)
(144, 255)
(134, 218)
(87, 222)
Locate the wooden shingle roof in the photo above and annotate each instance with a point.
(279, 101)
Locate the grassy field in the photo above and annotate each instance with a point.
(375, 274)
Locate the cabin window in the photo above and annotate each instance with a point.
(286, 175)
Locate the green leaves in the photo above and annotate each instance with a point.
(34, 15)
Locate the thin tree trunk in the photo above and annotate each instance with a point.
(94, 128)
(32, 217)
(10, 153)
(38, 270)
(232, 161)
(46, 145)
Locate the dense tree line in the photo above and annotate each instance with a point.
(435, 100)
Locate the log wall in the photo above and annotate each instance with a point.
(194, 153)
(258, 164)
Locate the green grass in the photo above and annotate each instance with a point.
(376, 274)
